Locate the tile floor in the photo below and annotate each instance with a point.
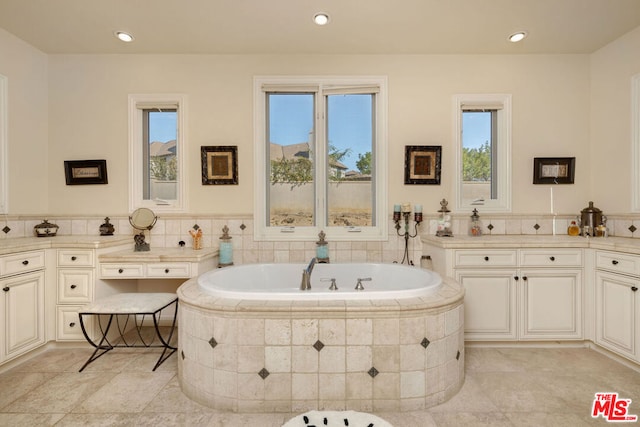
(503, 387)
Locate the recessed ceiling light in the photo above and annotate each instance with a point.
(516, 37)
(125, 37)
(321, 18)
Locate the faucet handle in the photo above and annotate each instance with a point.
(333, 286)
(359, 286)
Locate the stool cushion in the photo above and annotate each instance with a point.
(129, 303)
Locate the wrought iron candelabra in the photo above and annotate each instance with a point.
(405, 214)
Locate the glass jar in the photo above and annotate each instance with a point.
(475, 226)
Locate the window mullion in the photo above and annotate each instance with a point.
(320, 161)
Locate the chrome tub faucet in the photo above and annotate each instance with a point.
(305, 284)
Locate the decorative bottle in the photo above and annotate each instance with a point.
(475, 227)
(322, 248)
(573, 229)
(226, 249)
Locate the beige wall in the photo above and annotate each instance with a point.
(28, 151)
(88, 118)
(611, 70)
(74, 107)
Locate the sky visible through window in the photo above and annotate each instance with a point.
(162, 126)
(350, 122)
(476, 129)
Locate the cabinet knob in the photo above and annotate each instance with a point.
(73, 286)
(634, 288)
(72, 324)
(614, 262)
(73, 258)
(6, 289)
(516, 278)
(524, 278)
(25, 262)
(166, 270)
(552, 258)
(120, 271)
(486, 258)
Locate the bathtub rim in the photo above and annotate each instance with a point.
(322, 293)
(449, 295)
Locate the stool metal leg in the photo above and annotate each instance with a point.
(166, 345)
(100, 345)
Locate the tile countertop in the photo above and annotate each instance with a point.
(620, 244)
(160, 255)
(13, 245)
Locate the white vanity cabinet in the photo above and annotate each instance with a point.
(517, 294)
(550, 294)
(488, 277)
(22, 301)
(75, 288)
(618, 303)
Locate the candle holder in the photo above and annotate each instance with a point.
(404, 215)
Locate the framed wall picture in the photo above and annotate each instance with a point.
(219, 165)
(82, 172)
(553, 170)
(422, 164)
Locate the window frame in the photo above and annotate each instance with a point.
(4, 163)
(263, 231)
(635, 143)
(502, 152)
(137, 156)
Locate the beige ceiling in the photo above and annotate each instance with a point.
(286, 27)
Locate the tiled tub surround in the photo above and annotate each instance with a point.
(285, 356)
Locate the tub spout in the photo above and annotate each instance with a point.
(305, 285)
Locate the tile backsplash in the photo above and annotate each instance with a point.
(169, 230)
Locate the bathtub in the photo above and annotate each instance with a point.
(250, 340)
(282, 282)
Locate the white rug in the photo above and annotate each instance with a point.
(336, 419)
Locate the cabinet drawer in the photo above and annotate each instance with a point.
(68, 323)
(22, 262)
(122, 271)
(177, 269)
(617, 262)
(75, 258)
(551, 258)
(75, 285)
(486, 258)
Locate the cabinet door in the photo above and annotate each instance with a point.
(489, 304)
(23, 298)
(617, 313)
(550, 304)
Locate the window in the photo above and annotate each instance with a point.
(483, 152)
(4, 172)
(320, 158)
(157, 147)
(635, 143)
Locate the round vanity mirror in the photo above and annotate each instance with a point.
(143, 219)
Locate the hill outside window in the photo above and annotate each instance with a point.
(320, 158)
